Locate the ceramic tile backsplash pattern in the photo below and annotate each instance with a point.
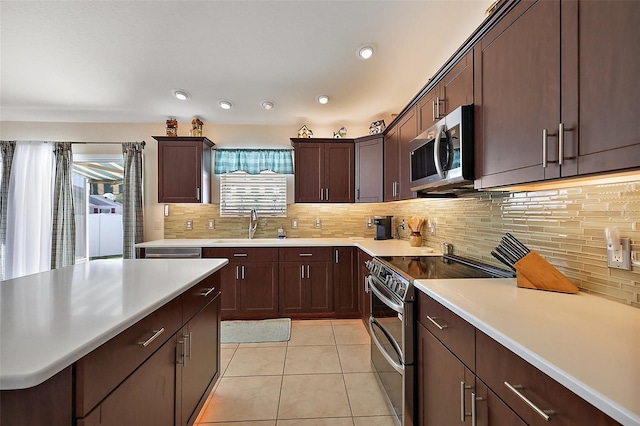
(566, 226)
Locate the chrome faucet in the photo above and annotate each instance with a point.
(253, 222)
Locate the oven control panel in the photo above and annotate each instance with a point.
(391, 279)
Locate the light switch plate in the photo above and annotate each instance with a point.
(211, 224)
(294, 223)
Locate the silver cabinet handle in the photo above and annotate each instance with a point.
(321, 194)
(463, 414)
(337, 257)
(198, 194)
(189, 337)
(438, 107)
(433, 110)
(156, 333)
(243, 272)
(327, 197)
(561, 143)
(545, 414)
(308, 275)
(433, 320)
(545, 134)
(181, 355)
(207, 291)
(240, 255)
(474, 408)
(302, 271)
(237, 272)
(305, 254)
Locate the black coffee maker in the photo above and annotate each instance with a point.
(383, 227)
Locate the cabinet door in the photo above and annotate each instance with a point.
(147, 396)
(201, 363)
(345, 288)
(259, 287)
(391, 165)
(369, 163)
(290, 276)
(318, 289)
(338, 173)
(456, 88)
(230, 288)
(609, 93)
(427, 109)
(407, 130)
(518, 71)
(308, 181)
(179, 172)
(440, 378)
(491, 410)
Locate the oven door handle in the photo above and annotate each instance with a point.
(384, 299)
(374, 336)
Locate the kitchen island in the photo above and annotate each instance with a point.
(97, 320)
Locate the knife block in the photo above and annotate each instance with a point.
(534, 272)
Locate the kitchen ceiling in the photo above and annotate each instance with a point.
(119, 61)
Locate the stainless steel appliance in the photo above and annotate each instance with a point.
(383, 227)
(442, 156)
(392, 321)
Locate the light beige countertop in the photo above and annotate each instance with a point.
(369, 245)
(587, 343)
(51, 319)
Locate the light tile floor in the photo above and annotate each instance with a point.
(320, 377)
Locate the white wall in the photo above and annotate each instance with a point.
(224, 136)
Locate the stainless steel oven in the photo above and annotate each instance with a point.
(392, 329)
(392, 321)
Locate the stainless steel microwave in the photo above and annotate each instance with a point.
(442, 156)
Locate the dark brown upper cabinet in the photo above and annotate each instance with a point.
(397, 179)
(369, 161)
(556, 92)
(184, 169)
(324, 170)
(455, 89)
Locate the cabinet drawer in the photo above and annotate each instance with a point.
(456, 334)
(305, 254)
(199, 295)
(99, 372)
(497, 365)
(244, 254)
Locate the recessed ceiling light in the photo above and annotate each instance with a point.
(225, 104)
(180, 94)
(323, 99)
(365, 52)
(267, 105)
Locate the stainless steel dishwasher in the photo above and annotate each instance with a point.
(172, 253)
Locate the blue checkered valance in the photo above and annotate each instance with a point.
(253, 161)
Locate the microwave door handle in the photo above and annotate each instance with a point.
(436, 151)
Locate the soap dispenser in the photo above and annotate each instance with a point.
(281, 233)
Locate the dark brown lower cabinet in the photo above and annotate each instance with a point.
(198, 362)
(345, 289)
(305, 287)
(441, 377)
(145, 398)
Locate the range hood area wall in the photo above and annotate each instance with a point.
(566, 226)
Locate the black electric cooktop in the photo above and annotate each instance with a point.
(443, 267)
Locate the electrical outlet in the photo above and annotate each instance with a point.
(294, 223)
(318, 223)
(369, 222)
(431, 224)
(619, 257)
(189, 224)
(211, 224)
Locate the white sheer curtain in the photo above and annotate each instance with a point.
(29, 218)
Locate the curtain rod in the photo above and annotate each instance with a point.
(86, 143)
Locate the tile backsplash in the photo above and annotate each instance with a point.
(566, 226)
